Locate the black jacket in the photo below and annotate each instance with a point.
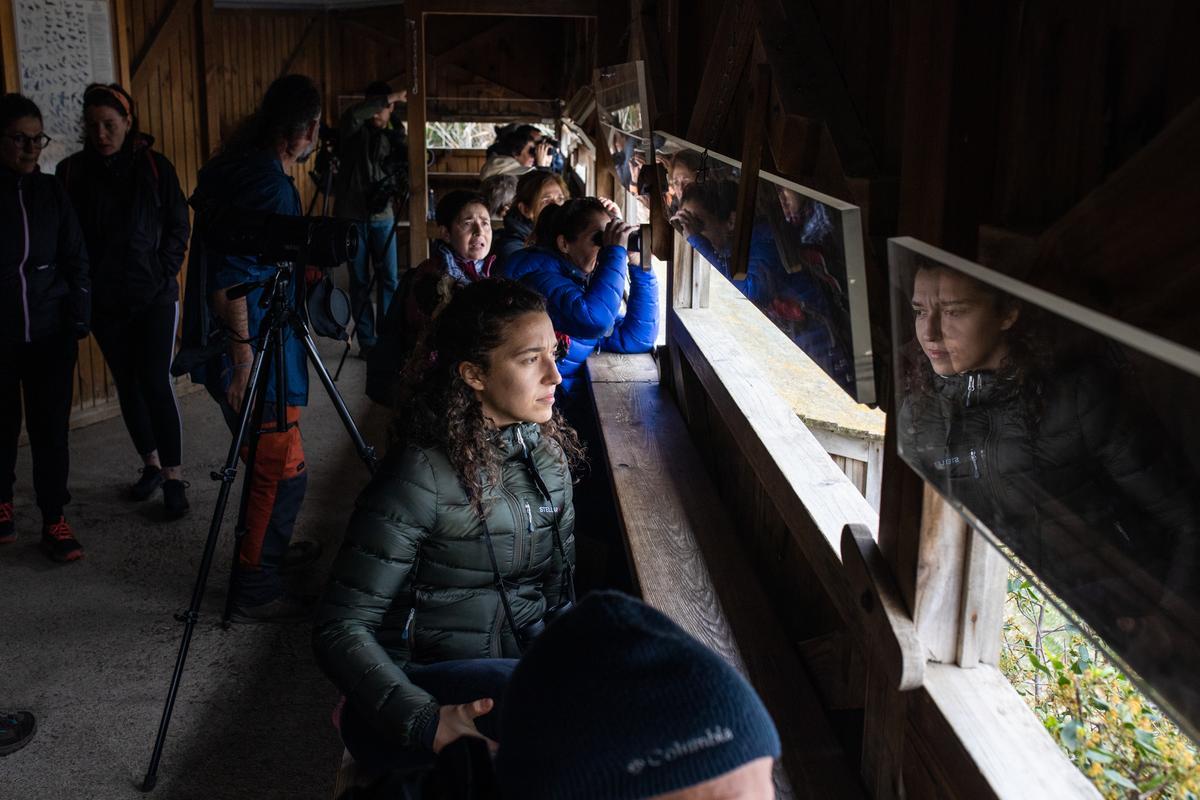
(373, 164)
(44, 287)
(413, 581)
(1083, 489)
(135, 224)
(511, 238)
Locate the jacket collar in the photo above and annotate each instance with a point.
(461, 269)
(517, 223)
(976, 388)
(514, 441)
(8, 178)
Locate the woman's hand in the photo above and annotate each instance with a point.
(687, 223)
(617, 232)
(455, 722)
(611, 208)
(542, 156)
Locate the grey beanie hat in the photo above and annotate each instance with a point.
(616, 701)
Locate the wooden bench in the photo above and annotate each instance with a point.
(687, 562)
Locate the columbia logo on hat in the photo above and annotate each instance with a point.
(713, 737)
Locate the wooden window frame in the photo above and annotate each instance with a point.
(964, 714)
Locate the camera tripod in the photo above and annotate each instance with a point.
(281, 320)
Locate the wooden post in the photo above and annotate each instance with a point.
(982, 619)
(418, 204)
(8, 47)
(210, 102)
(752, 147)
(120, 23)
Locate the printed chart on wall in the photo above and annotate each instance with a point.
(62, 46)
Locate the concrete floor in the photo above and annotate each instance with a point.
(89, 646)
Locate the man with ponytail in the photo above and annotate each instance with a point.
(251, 172)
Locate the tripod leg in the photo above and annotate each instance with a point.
(189, 618)
(365, 451)
(258, 402)
(362, 311)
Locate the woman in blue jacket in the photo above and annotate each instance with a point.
(596, 302)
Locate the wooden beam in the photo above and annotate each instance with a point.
(299, 48)
(753, 135)
(516, 8)
(725, 63)
(374, 33)
(210, 86)
(8, 47)
(981, 622)
(327, 69)
(808, 82)
(941, 560)
(120, 12)
(418, 203)
(160, 37)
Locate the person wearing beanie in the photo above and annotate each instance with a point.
(616, 701)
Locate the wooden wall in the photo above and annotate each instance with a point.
(194, 72)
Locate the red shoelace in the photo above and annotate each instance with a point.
(60, 529)
(6, 512)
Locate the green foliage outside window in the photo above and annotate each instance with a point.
(1108, 728)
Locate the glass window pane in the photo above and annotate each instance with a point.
(1068, 438)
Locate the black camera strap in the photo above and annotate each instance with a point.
(568, 575)
(501, 589)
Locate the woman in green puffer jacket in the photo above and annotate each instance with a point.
(414, 627)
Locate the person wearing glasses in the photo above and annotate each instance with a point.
(135, 224)
(45, 307)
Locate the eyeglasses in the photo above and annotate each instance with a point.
(24, 142)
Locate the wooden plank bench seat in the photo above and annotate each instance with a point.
(687, 562)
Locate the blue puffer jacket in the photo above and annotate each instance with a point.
(587, 308)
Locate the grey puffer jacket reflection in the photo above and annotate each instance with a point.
(1075, 485)
(413, 581)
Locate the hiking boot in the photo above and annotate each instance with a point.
(299, 556)
(283, 609)
(151, 479)
(16, 729)
(8, 531)
(59, 541)
(174, 499)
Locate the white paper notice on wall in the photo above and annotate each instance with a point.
(62, 46)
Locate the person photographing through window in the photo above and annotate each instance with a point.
(250, 173)
(372, 172)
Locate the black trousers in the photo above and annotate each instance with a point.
(139, 348)
(44, 373)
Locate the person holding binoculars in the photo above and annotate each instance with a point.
(580, 264)
(463, 542)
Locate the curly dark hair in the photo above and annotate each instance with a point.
(438, 409)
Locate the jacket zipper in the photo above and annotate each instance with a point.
(529, 530)
(412, 614)
(24, 257)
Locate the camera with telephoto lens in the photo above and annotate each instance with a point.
(323, 242)
(635, 240)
